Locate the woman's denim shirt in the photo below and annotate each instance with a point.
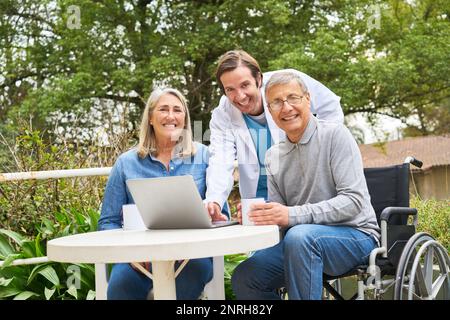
(130, 166)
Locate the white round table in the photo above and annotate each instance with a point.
(161, 247)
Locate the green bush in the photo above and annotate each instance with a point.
(34, 211)
(25, 203)
(434, 218)
(49, 280)
(231, 262)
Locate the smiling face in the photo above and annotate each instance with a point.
(293, 119)
(243, 90)
(168, 119)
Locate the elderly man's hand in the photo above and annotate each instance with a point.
(215, 212)
(269, 213)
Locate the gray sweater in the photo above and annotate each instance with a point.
(321, 178)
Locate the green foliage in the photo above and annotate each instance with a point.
(231, 262)
(121, 49)
(33, 212)
(50, 280)
(25, 204)
(396, 68)
(434, 218)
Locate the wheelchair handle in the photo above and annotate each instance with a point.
(414, 161)
(401, 211)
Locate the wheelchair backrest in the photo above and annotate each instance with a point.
(388, 187)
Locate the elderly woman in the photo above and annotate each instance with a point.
(165, 148)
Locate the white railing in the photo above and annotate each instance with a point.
(54, 174)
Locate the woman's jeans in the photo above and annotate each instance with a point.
(299, 260)
(125, 283)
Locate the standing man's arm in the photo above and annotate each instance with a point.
(325, 104)
(222, 150)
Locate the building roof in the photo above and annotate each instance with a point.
(431, 150)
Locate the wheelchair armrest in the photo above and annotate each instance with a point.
(400, 211)
(386, 214)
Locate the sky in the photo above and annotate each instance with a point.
(385, 129)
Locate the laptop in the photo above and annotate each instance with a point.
(171, 203)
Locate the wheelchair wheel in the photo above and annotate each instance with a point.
(416, 278)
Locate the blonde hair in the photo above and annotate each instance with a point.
(147, 140)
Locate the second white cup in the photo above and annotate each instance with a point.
(246, 203)
(132, 219)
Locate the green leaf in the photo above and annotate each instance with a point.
(48, 226)
(36, 271)
(5, 247)
(66, 230)
(49, 293)
(13, 235)
(90, 295)
(93, 223)
(5, 282)
(61, 217)
(29, 249)
(25, 295)
(8, 292)
(37, 244)
(50, 274)
(79, 218)
(72, 291)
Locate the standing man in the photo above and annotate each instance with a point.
(318, 191)
(243, 129)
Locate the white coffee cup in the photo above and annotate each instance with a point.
(246, 203)
(132, 219)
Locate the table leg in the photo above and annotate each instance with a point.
(164, 280)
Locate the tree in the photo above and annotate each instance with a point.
(117, 52)
(95, 64)
(397, 68)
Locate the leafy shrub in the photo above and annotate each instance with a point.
(434, 218)
(49, 280)
(231, 262)
(25, 203)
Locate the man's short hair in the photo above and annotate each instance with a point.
(285, 77)
(230, 60)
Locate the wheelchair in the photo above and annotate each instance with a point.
(408, 265)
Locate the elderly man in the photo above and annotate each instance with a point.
(318, 193)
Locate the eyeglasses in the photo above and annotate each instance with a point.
(293, 100)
